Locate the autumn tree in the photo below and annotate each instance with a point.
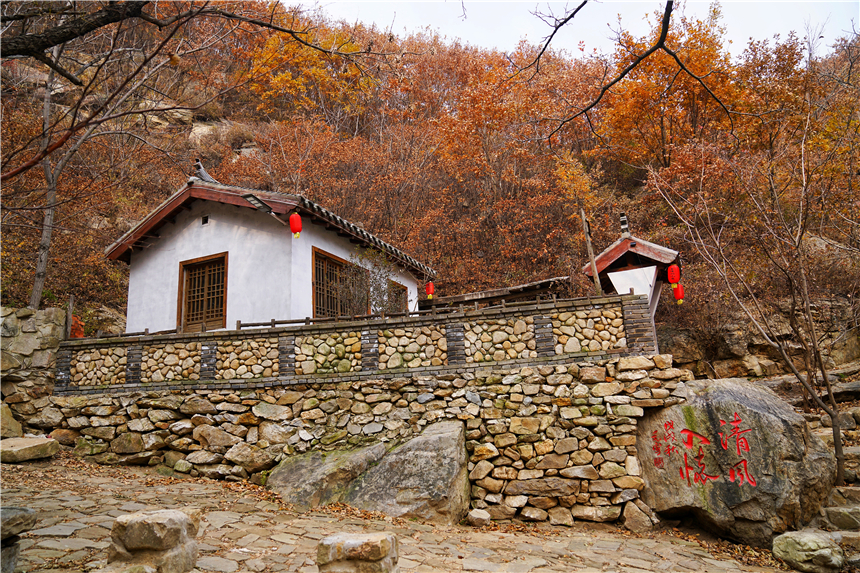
(114, 70)
(759, 213)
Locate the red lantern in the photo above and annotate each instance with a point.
(295, 224)
(430, 290)
(674, 275)
(679, 293)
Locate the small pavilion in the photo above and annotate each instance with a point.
(631, 264)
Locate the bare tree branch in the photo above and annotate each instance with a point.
(36, 43)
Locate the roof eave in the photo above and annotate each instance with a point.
(281, 203)
(613, 252)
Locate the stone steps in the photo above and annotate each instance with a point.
(852, 453)
(842, 513)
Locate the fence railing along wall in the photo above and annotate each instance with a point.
(454, 341)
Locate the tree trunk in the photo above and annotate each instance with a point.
(45, 242)
(50, 198)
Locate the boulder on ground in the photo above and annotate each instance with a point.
(478, 518)
(9, 426)
(635, 519)
(427, 478)
(811, 551)
(736, 457)
(163, 540)
(320, 478)
(369, 552)
(15, 520)
(14, 450)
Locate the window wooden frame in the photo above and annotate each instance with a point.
(322, 257)
(337, 262)
(182, 302)
(401, 291)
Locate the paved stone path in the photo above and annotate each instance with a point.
(243, 532)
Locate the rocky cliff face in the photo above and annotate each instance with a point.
(29, 345)
(735, 348)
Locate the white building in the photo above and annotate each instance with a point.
(206, 258)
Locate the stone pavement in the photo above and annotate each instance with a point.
(242, 531)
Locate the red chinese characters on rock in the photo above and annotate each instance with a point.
(693, 468)
(691, 439)
(663, 445)
(739, 471)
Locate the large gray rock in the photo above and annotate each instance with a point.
(14, 450)
(250, 457)
(364, 553)
(15, 520)
(810, 551)
(163, 540)
(738, 458)
(426, 478)
(319, 478)
(9, 426)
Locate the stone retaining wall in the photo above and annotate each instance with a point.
(454, 342)
(503, 339)
(413, 347)
(28, 352)
(548, 442)
(325, 353)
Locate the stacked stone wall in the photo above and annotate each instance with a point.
(165, 362)
(412, 347)
(551, 442)
(243, 358)
(589, 330)
(499, 340)
(98, 366)
(456, 341)
(28, 355)
(328, 352)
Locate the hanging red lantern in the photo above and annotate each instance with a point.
(295, 224)
(673, 273)
(430, 290)
(679, 293)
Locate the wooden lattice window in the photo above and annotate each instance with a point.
(327, 285)
(203, 293)
(398, 297)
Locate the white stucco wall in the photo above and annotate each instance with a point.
(269, 273)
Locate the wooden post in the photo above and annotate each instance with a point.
(238, 325)
(587, 233)
(68, 331)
